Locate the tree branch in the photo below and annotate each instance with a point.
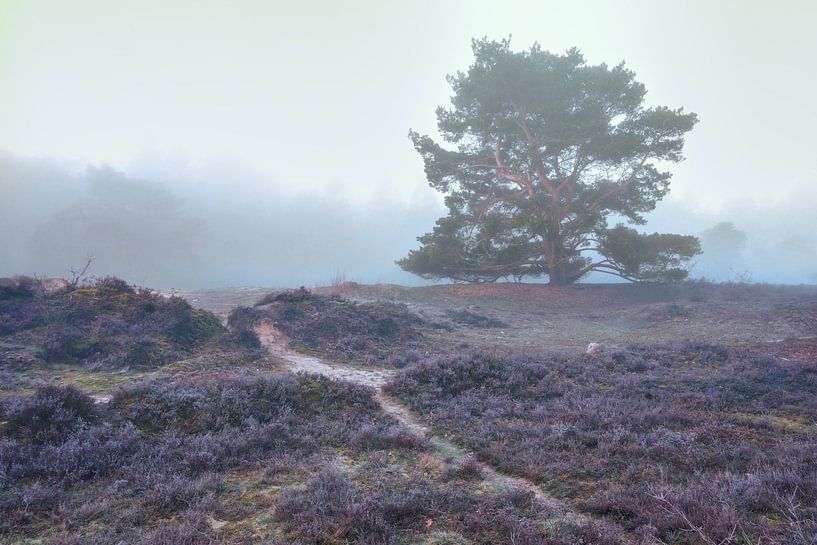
(537, 159)
(500, 167)
(617, 188)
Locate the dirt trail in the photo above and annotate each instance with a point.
(275, 342)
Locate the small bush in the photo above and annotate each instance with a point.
(341, 329)
(472, 319)
(17, 287)
(242, 322)
(675, 310)
(114, 284)
(804, 316)
(189, 327)
(467, 469)
(49, 415)
(144, 352)
(292, 296)
(372, 437)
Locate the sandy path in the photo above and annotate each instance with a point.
(275, 342)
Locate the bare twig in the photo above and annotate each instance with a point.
(673, 509)
(78, 275)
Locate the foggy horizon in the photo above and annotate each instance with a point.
(260, 144)
(244, 233)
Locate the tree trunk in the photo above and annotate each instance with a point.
(557, 275)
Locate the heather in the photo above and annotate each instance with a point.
(105, 324)
(344, 330)
(685, 443)
(331, 509)
(210, 440)
(163, 450)
(247, 458)
(473, 319)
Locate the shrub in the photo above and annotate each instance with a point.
(804, 316)
(114, 284)
(472, 319)
(17, 287)
(18, 316)
(387, 437)
(467, 469)
(242, 322)
(188, 327)
(66, 342)
(341, 329)
(112, 324)
(51, 414)
(291, 296)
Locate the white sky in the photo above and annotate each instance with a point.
(319, 96)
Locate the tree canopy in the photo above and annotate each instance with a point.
(544, 150)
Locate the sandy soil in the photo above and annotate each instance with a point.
(275, 342)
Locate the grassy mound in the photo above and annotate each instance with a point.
(107, 324)
(371, 333)
(666, 440)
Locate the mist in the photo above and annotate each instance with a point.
(214, 227)
(181, 225)
(263, 143)
(748, 240)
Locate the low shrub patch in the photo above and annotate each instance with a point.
(472, 319)
(663, 439)
(332, 510)
(367, 333)
(17, 287)
(110, 324)
(161, 451)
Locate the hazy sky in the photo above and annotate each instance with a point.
(320, 95)
(277, 122)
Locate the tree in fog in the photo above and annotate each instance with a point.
(723, 246)
(134, 228)
(544, 149)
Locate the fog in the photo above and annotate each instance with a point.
(748, 240)
(187, 226)
(198, 230)
(191, 144)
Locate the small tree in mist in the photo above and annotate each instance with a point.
(546, 149)
(135, 228)
(723, 246)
